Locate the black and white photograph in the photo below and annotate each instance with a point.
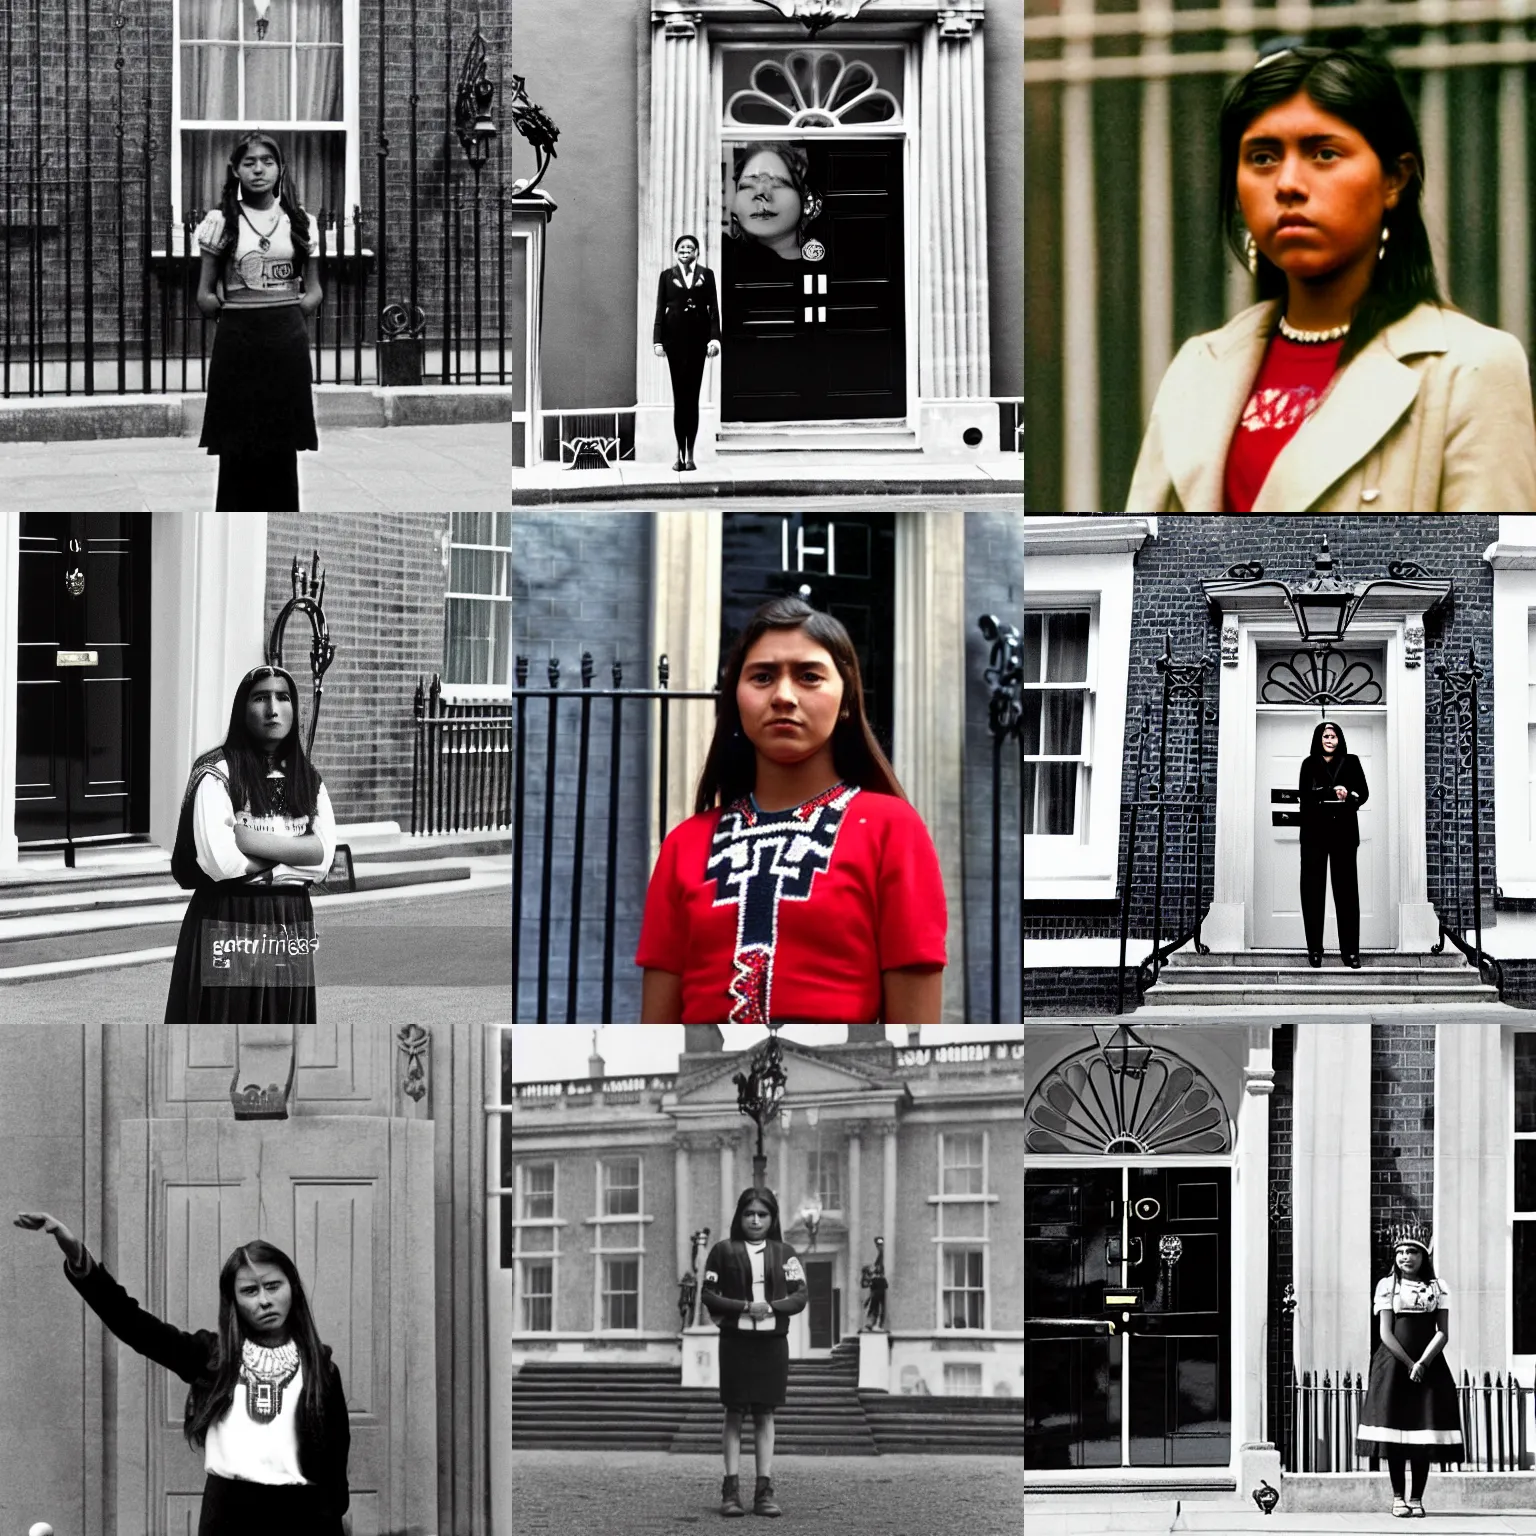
(259, 256)
(764, 1271)
(769, 249)
(305, 1346)
(1280, 1038)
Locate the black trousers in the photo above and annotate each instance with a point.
(1315, 861)
(687, 365)
(233, 1508)
(267, 481)
(1418, 1459)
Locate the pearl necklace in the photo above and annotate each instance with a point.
(1290, 333)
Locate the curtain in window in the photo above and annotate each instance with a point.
(314, 163)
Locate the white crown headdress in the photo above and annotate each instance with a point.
(1415, 1233)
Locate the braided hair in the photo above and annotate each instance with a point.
(288, 201)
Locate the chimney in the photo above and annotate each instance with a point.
(913, 1032)
(595, 1063)
(866, 1034)
(702, 1037)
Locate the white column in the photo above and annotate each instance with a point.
(782, 1191)
(852, 1200)
(727, 1144)
(1080, 298)
(1470, 1191)
(1331, 1195)
(888, 1218)
(1157, 207)
(10, 634)
(208, 579)
(1513, 190)
(680, 1219)
(1250, 1238)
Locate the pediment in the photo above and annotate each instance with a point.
(809, 1074)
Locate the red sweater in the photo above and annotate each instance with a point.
(793, 915)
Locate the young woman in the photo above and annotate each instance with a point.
(1352, 385)
(256, 831)
(260, 415)
(266, 1405)
(1332, 789)
(686, 331)
(805, 888)
(1411, 1411)
(753, 1285)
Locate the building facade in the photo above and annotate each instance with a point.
(910, 117)
(610, 1179)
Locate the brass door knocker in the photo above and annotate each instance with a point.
(1171, 1248)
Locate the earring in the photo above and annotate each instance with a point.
(1382, 248)
(1253, 256)
(813, 209)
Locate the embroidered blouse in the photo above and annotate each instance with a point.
(1397, 1295)
(243, 1447)
(792, 915)
(213, 827)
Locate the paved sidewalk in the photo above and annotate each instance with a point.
(358, 469)
(1106, 1517)
(636, 1493)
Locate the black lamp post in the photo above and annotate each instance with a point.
(759, 1092)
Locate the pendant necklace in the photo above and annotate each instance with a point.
(265, 1373)
(264, 240)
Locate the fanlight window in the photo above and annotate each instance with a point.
(1083, 1107)
(812, 88)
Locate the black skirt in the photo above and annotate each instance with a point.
(233, 1507)
(754, 1368)
(266, 911)
(259, 396)
(1401, 1415)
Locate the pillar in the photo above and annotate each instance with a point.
(1331, 1196)
(1471, 1147)
(680, 1219)
(10, 631)
(888, 1222)
(678, 195)
(782, 1188)
(852, 1320)
(954, 359)
(1250, 1233)
(727, 1146)
(529, 217)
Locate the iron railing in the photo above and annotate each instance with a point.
(1180, 800)
(1326, 1409)
(1005, 718)
(460, 779)
(1455, 840)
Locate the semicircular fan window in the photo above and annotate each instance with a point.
(812, 88)
(1083, 1108)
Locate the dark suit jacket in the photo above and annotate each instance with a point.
(1327, 821)
(686, 316)
(323, 1448)
(728, 1283)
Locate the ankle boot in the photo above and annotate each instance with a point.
(762, 1503)
(730, 1496)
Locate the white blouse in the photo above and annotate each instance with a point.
(240, 1447)
(759, 1292)
(1395, 1295)
(213, 828)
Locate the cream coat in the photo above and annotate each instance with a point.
(1434, 415)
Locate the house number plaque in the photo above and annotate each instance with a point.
(76, 659)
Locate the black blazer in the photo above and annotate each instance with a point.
(727, 1289)
(1327, 821)
(686, 316)
(323, 1448)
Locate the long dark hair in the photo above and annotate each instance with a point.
(1426, 1269)
(287, 195)
(247, 763)
(730, 769)
(1317, 741)
(1366, 93)
(768, 1198)
(301, 1329)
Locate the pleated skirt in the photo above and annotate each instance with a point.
(259, 382)
(754, 1369)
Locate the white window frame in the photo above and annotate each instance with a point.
(1073, 562)
(551, 1255)
(602, 1251)
(1083, 795)
(1513, 559)
(968, 1366)
(835, 1158)
(499, 1281)
(943, 1241)
(351, 55)
(459, 693)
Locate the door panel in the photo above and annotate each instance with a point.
(1282, 742)
(818, 1310)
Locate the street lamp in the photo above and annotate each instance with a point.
(759, 1092)
(1125, 1053)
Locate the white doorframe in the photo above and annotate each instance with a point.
(1228, 926)
(498, 1290)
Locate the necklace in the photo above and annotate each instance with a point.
(265, 1373)
(264, 240)
(1290, 333)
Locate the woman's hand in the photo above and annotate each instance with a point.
(34, 1221)
(713, 349)
(759, 1310)
(658, 349)
(1339, 792)
(210, 304)
(1416, 1371)
(310, 302)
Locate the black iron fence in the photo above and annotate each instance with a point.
(99, 275)
(1326, 1408)
(1164, 870)
(1462, 798)
(460, 764)
(1005, 718)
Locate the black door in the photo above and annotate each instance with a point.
(82, 697)
(818, 1307)
(1165, 1231)
(849, 565)
(817, 340)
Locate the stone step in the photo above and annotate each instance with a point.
(1451, 959)
(1170, 996)
(1334, 974)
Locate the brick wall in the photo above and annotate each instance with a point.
(384, 608)
(1076, 989)
(1402, 1131)
(579, 583)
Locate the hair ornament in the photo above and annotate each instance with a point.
(1411, 1234)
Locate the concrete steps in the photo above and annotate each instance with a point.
(814, 438)
(1283, 978)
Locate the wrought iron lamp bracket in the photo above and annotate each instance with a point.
(308, 599)
(535, 125)
(1005, 672)
(472, 118)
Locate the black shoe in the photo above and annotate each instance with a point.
(678, 465)
(1314, 959)
(689, 464)
(762, 1503)
(1353, 962)
(730, 1497)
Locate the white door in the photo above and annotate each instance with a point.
(1283, 737)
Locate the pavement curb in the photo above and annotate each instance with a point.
(679, 489)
